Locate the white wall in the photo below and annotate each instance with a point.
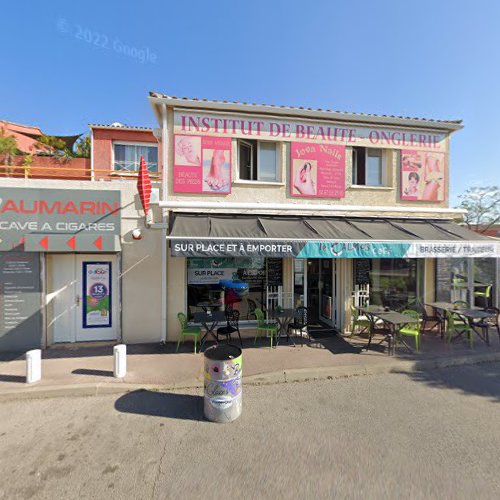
(140, 278)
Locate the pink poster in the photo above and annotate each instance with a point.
(202, 164)
(422, 175)
(317, 170)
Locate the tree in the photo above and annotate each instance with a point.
(8, 147)
(483, 207)
(53, 146)
(82, 147)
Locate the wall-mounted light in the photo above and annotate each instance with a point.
(137, 234)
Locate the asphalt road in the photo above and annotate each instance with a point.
(434, 435)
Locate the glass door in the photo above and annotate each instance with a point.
(321, 294)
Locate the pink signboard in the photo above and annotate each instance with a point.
(202, 164)
(317, 170)
(422, 175)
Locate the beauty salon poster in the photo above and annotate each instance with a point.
(422, 175)
(202, 164)
(97, 294)
(317, 170)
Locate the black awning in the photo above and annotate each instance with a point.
(324, 237)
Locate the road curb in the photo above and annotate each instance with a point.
(270, 378)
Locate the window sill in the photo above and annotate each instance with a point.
(378, 188)
(257, 183)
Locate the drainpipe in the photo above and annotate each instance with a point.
(164, 243)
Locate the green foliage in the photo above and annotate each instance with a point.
(8, 147)
(28, 160)
(83, 147)
(51, 145)
(483, 207)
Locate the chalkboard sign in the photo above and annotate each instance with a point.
(20, 301)
(274, 272)
(443, 280)
(362, 271)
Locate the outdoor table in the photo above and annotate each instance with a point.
(394, 319)
(470, 314)
(209, 322)
(283, 317)
(445, 306)
(371, 309)
(473, 315)
(208, 305)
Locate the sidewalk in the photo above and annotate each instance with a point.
(76, 370)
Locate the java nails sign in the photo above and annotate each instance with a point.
(26, 211)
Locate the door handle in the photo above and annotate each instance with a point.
(77, 301)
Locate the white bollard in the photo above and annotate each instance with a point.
(120, 354)
(33, 366)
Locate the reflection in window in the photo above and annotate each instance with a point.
(239, 282)
(394, 283)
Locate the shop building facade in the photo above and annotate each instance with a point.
(257, 206)
(270, 206)
(70, 268)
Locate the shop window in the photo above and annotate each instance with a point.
(127, 157)
(258, 161)
(393, 283)
(470, 280)
(239, 282)
(368, 167)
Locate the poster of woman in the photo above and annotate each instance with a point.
(422, 176)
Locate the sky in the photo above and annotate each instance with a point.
(68, 64)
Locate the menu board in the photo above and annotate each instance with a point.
(362, 271)
(20, 301)
(274, 272)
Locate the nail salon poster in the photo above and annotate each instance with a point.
(317, 170)
(422, 175)
(202, 164)
(97, 294)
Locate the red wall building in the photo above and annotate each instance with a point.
(117, 148)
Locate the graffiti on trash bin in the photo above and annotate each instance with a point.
(218, 388)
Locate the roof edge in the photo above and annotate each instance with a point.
(447, 125)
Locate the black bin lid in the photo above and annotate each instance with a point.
(223, 352)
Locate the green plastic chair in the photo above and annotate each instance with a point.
(264, 328)
(412, 329)
(188, 331)
(459, 283)
(485, 295)
(459, 327)
(364, 324)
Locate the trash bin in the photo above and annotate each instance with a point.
(222, 402)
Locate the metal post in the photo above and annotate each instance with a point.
(120, 358)
(33, 366)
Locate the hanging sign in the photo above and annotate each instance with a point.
(97, 295)
(331, 249)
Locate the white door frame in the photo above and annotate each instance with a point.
(68, 293)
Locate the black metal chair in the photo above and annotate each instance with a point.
(300, 322)
(233, 318)
(435, 319)
(491, 322)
